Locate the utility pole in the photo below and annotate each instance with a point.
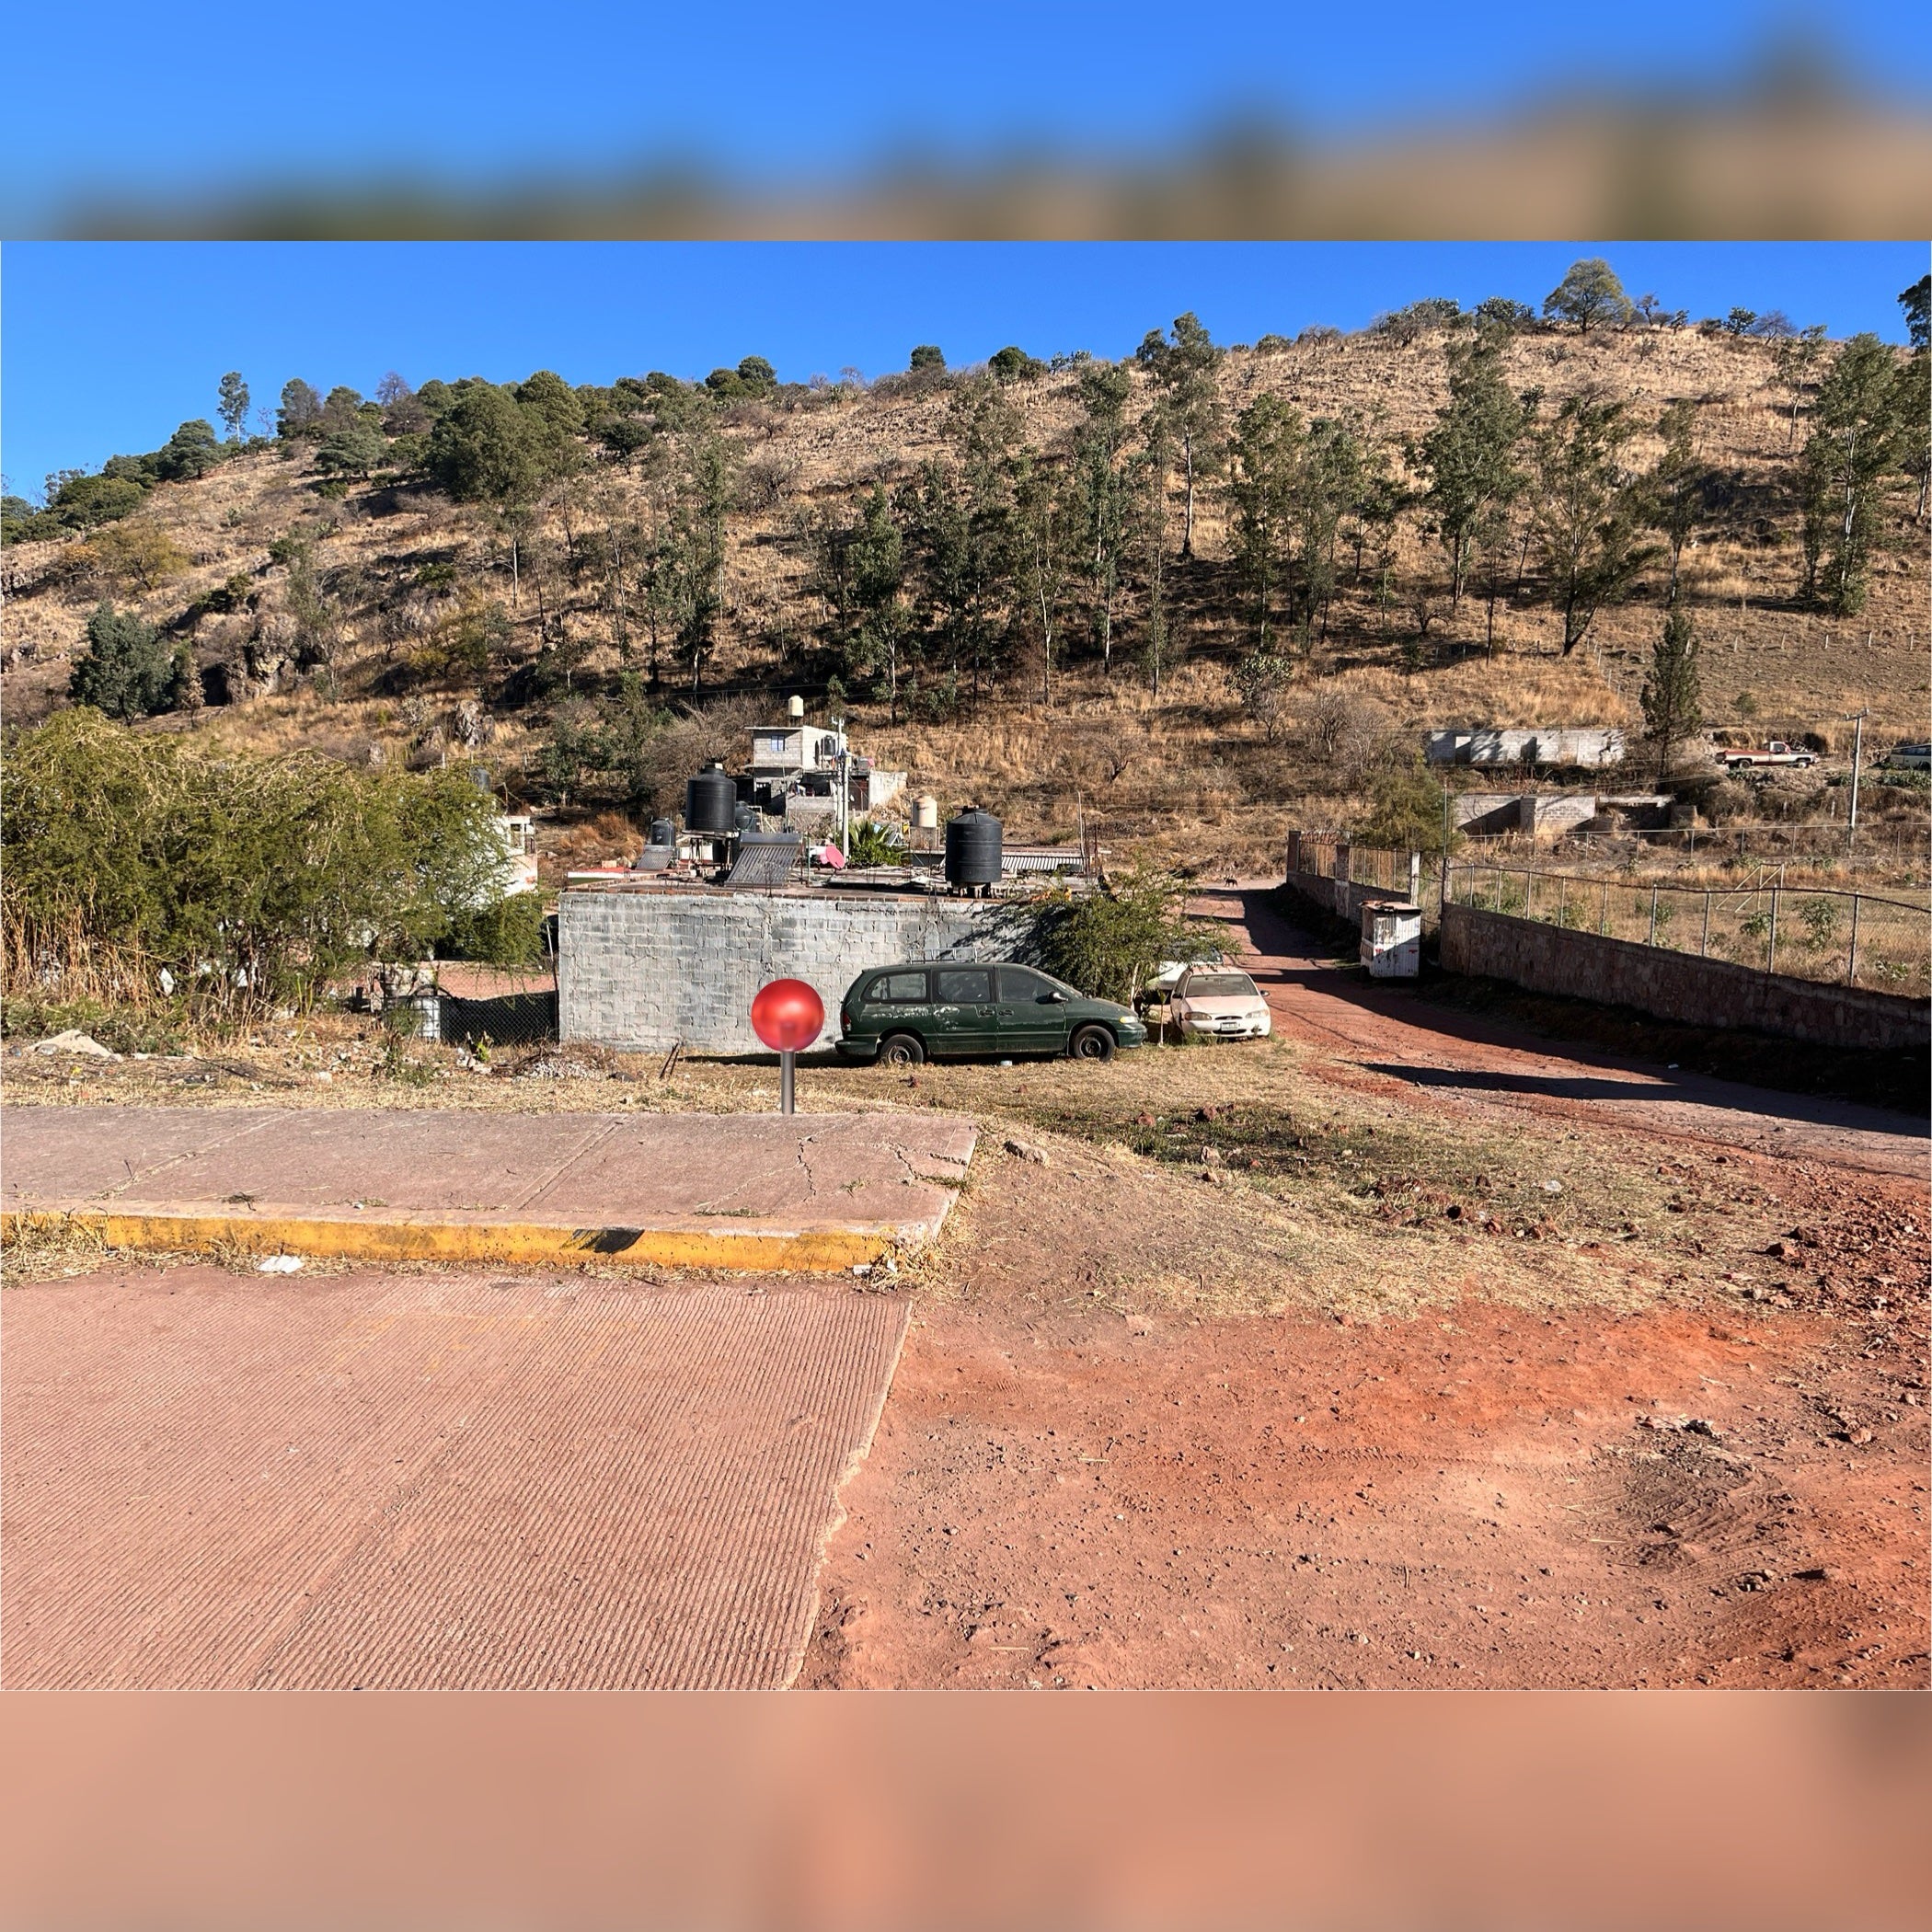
(1857, 721)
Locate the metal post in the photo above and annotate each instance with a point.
(1652, 940)
(1851, 964)
(1851, 832)
(1771, 951)
(785, 1082)
(1704, 943)
(1602, 918)
(1529, 891)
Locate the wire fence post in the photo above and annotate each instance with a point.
(1602, 918)
(1704, 943)
(1652, 940)
(1529, 891)
(1771, 949)
(1851, 963)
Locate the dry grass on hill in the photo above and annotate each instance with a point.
(1190, 769)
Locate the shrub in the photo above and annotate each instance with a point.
(126, 670)
(1111, 941)
(1013, 364)
(873, 845)
(251, 881)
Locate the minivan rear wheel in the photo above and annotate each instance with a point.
(1091, 1044)
(901, 1050)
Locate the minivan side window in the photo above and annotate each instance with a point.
(896, 989)
(1017, 984)
(963, 986)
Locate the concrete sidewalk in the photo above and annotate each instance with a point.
(814, 1192)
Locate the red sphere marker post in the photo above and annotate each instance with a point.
(786, 1015)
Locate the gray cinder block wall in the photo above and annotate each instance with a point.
(1675, 986)
(644, 970)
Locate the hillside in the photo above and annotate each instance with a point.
(383, 619)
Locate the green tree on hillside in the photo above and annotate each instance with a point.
(301, 408)
(189, 453)
(928, 355)
(1917, 301)
(1147, 526)
(1856, 449)
(1263, 470)
(1470, 455)
(1186, 373)
(875, 559)
(354, 448)
(1674, 490)
(1590, 296)
(1797, 358)
(1672, 698)
(1586, 511)
(1042, 526)
(234, 398)
(1100, 494)
(126, 669)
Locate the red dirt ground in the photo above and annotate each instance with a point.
(1480, 1496)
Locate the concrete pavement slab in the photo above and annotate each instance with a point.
(427, 1480)
(735, 1191)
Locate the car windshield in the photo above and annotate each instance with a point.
(1221, 985)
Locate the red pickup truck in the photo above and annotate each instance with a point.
(1777, 752)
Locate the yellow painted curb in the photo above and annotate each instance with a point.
(518, 1243)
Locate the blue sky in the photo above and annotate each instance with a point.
(229, 94)
(108, 346)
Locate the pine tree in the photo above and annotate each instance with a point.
(1470, 455)
(234, 396)
(1671, 699)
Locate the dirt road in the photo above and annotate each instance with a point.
(1722, 1481)
(1382, 1039)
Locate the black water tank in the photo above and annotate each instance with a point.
(745, 819)
(973, 848)
(712, 802)
(663, 832)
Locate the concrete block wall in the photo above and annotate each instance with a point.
(644, 970)
(1676, 986)
(1343, 897)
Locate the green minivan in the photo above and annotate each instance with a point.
(898, 1016)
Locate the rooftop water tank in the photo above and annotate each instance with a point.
(973, 841)
(663, 832)
(712, 802)
(926, 813)
(744, 818)
(794, 708)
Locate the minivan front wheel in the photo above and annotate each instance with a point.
(1091, 1044)
(901, 1050)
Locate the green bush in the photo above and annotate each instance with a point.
(1111, 942)
(249, 882)
(127, 670)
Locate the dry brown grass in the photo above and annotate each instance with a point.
(1189, 772)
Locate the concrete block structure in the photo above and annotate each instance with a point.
(644, 969)
(1589, 746)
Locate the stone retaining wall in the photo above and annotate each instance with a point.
(1675, 986)
(644, 970)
